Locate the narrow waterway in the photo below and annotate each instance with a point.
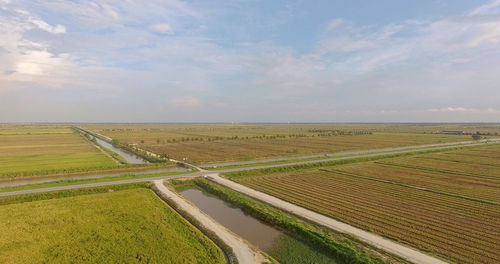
(280, 245)
(256, 232)
(129, 157)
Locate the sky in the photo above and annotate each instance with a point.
(249, 61)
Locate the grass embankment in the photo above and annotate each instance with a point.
(325, 157)
(113, 154)
(91, 180)
(129, 225)
(277, 162)
(326, 163)
(335, 245)
(126, 147)
(291, 250)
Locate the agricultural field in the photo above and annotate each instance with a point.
(46, 150)
(446, 204)
(225, 142)
(124, 226)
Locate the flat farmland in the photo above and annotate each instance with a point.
(449, 211)
(43, 150)
(473, 172)
(471, 163)
(124, 226)
(226, 142)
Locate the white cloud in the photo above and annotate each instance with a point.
(450, 109)
(110, 51)
(464, 110)
(186, 101)
(28, 68)
(492, 7)
(162, 28)
(57, 29)
(334, 24)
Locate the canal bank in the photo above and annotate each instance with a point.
(263, 227)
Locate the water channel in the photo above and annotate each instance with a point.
(280, 245)
(129, 157)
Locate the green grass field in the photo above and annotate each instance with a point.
(444, 203)
(124, 226)
(205, 143)
(46, 150)
(289, 250)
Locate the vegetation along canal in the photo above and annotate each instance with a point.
(129, 157)
(280, 245)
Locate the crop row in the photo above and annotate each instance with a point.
(418, 218)
(477, 161)
(411, 237)
(401, 212)
(414, 239)
(456, 162)
(435, 203)
(427, 166)
(474, 187)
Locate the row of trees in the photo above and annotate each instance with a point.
(277, 136)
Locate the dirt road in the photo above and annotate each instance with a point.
(372, 239)
(244, 253)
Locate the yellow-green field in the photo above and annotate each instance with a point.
(46, 150)
(204, 143)
(445, 203)
(125, 226)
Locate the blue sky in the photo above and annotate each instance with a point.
(249, 61)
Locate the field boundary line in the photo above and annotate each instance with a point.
(407, 166)
(412, 187)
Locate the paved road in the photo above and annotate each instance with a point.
(99, 184)
(244, 253)
(372, 239)
(230, 170)
(84, 176)
(353, 157)
(211, 165)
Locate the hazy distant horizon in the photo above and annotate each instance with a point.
(250, 61)
(252, 123)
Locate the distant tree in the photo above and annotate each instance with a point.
(476, 136)
(158, 141)
(142, 141)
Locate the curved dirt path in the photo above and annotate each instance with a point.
(407, 253)
(241, 249)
